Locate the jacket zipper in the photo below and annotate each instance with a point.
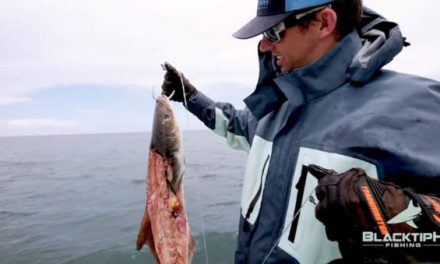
(256, 197)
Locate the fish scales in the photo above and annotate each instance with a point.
(164, 226)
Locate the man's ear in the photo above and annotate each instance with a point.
(327, 19)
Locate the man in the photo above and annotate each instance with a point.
(325, 116)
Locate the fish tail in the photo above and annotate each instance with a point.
(191, 248)
(145, 235)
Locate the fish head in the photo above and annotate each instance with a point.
(166, 137)
(166, 140)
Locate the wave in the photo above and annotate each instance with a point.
(226, 203)
(14, 214)
(23, 163)
(208, 175)
(138, 182)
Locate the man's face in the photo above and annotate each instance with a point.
(296, 49)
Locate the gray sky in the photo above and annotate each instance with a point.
(53, 51)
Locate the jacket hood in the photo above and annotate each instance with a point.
(381, 42)
(356, 58)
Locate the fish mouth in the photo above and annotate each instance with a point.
(164, 102)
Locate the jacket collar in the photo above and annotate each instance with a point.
(323, 76)
(304, 84)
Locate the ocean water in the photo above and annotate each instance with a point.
(80, 198)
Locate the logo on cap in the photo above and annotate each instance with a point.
(263, 3)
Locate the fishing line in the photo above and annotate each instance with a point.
(185, 104)
(203, 225)
(287, 227)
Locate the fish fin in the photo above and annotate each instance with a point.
(174, 173)
(169, 172)
(178, 171)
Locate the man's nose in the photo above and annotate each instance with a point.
(265, 45)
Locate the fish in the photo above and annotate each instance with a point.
(164, 225)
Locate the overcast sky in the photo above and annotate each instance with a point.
(87, 66)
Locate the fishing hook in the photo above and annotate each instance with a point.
(153, 94)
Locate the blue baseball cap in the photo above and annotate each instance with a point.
(272, 12)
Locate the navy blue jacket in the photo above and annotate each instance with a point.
(342, 111)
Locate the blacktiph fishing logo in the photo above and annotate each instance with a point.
(403, 240)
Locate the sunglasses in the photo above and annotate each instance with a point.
(273, 35)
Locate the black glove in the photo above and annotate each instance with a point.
(352, 202)
(172, 84)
